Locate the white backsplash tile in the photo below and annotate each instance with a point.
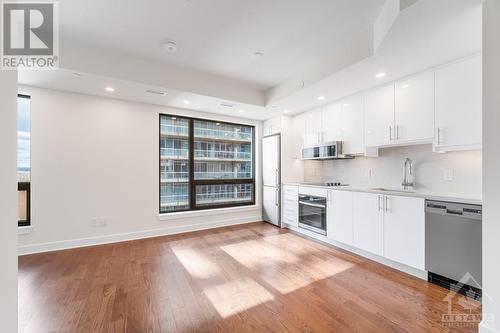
(454, 172)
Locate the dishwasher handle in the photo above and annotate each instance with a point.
(466, 211)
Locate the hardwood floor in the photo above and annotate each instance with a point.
(247, 278)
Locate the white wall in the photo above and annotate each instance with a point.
(96, 157)
(8, 201)
(387, 170)
(491, 165)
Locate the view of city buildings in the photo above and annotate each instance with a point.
(222, 160)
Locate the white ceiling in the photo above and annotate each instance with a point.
(312, 48)
(220, 36)
(86, 83)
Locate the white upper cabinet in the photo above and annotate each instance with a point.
(352, 125)
(414, 109)
(368, 222)
(459, 105)
(339, 216)
(313, 131)
(332, 125)
(379, 116)
(404, 230)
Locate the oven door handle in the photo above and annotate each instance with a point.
(311, 204)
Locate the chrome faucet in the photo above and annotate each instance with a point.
(408, 174)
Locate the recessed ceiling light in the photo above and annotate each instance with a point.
(110, 89)
(404, 86)
(77, 74)
(240, 111)
(185, 101)
(320, 98)
(171, 46)
(380, 75)
(310, 115)
(258, 54)
(346, 104)
(286, 111)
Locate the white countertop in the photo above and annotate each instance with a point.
(449, 197)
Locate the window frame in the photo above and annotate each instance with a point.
(192, 183)
(26, 186)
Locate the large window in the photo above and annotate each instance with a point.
(23, 160)
(205, 164)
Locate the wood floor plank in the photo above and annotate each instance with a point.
(247, 278)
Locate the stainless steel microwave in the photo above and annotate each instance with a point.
(324, 151)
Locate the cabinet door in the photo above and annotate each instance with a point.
(353, 120)
(332, 122)
(379, 116)
(404, 230)
(414, 103)
(368, 222)
(339, 216)
(313, 128)
(459, 105)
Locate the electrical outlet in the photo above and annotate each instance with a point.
(99, 222)
(448, 175)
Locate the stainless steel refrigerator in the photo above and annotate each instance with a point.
(271, 174)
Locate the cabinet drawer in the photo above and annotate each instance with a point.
(291, 190)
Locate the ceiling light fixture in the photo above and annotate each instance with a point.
(320, 98)
(346, 104)
(77, 74)
(171, 46)
(404, 86)
(258, 54)
(110, 89)
(185, 101)
(240, 111)
(380, 75)
(286, 111)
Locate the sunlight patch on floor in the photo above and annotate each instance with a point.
(237, 295)
(196, 264)
(252, 254)
(285, 268)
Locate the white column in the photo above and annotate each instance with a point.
(8, 201)
(491, 165)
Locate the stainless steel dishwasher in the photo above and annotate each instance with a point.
(453, 245)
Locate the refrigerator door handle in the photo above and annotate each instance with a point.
(276, 197)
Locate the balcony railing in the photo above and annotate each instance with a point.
(222, 134)
(174, 153)
(174, 200)
(222, 155)
(175, 130)
(219, 197)
(222, 175)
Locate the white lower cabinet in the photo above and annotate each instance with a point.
(389, 226)
(339, 216)
(368, 222)
(290, 205)
(404, 230)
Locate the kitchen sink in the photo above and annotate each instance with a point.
(391, 190)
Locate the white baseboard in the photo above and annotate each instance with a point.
(486, 329)
(114, 238)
